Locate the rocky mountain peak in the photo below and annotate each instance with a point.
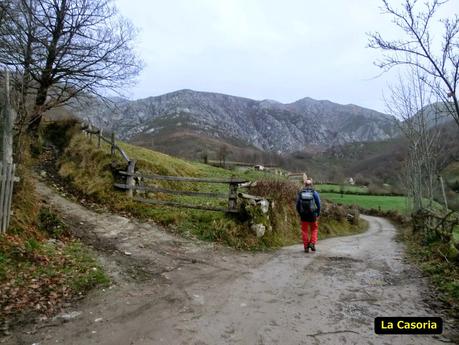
(268, 125)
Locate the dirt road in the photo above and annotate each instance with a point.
(168, 290)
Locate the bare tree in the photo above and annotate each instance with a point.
(3, 7)
(205, 156)
(61, 49)
(222, 154)
(438, 59)
(412, 101)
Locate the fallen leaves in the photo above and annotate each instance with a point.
(42, 277)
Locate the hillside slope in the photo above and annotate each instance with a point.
(87, 173)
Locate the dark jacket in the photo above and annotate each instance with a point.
(311, 217)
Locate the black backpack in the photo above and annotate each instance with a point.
(307, 202)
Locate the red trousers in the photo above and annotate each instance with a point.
(314, 227)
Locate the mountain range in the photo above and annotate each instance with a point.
(187, 122)
(328, 140)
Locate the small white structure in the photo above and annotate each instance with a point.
(351, 181)
(258, 229)
(259, 167)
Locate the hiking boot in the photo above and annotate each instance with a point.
(312, 246)
(306, 249)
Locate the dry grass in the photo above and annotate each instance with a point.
(88, 171)
(41, 265)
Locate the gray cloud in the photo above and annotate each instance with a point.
(261, 49)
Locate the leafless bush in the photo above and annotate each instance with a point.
(277, 190)
(284, 193)
(334, 211)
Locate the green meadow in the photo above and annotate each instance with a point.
(385, 203)
(397, 203)
(335, 188)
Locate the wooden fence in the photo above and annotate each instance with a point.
(7, 167)
(231, 196)
(131, 177)
(434, 225)
(6, 194)
(90, 131)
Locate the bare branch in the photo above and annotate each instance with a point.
(415, 48)
(63, 48)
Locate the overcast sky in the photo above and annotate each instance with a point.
(261, 49)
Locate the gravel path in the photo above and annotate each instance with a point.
(168, 290)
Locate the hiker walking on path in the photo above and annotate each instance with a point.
(308, 207)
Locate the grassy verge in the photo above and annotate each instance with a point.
(41, 265)
(430, 258)
(37, 276)
(87, 172)
(333, 228)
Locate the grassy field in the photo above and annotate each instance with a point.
(159, 163)
(178, 167)
(335, 188)
(379, 202)
(385, 203)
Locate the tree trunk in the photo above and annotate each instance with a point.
(37, 113)
(46, 79)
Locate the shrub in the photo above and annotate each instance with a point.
(376, 190)
(50, 223)
(59, 133)
(280, 191)
(337, 212)
(335, 219)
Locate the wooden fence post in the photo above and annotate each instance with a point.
(89, 131)
(445, 200)
(99, 134)
(232, 198)
(113, 145)
(8, 121)
(7, 193)
(130, 182)
(4, 171)
(7, 167)
(113, 149)
(10, 195)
